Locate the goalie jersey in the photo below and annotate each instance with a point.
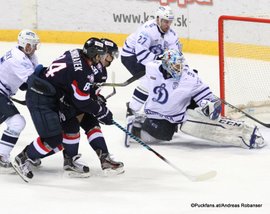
(168, 98)
(148, 42)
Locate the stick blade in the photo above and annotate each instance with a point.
(203, 177)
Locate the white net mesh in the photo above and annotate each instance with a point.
(246, 51)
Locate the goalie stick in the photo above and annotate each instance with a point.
(201, 177)
(244, 113)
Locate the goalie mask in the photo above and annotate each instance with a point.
(28, 37)
(172, 62)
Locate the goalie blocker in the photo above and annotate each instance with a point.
(220, 132)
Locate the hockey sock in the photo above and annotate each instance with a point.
(55, 150)
(37, 149)
(71, 144)
(7, 142)
(96, 140)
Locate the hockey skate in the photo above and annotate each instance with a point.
(108, 165)
(129, 111)
(22, 166)
(134, 126)
(5, 165)
(74, 168)
(36, 162)
(137, 124)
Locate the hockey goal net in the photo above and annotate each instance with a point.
(244, 59)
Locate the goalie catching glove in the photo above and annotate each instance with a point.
(211, 109)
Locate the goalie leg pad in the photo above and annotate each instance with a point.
(147, 138)
(223, 131)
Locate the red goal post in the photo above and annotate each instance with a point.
(244, 63)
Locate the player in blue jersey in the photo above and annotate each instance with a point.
(70, 76)
(89, 123)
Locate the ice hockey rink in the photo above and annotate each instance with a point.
(149, 185)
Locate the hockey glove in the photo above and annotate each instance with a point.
(211, 109)
(39, 69)
(195, 71)
(159, 57)
(101, 99)
(104, 116)
(23, 86)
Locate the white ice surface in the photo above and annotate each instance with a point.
(149, 185)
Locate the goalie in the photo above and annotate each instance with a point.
(170, 87)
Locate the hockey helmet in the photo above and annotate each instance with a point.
(28, 37)
(165, 12)
(92, 47)
(172, 62)
(111, 46)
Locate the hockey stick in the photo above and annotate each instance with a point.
(114, 90)
(23, 102)
(127, 82)
(201, 177)
(244, 113)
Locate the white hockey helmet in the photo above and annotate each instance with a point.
(28, 37)
(165, 12)
(172, 62)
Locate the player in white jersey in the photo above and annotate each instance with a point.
(147, 44)
(15, 68)
(171, 85)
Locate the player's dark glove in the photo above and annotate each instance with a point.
(39, 69)
(104, 115)
(101, 99)
(159, 57)
(195, 70)
(23, 87)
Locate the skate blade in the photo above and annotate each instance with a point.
(16, 168)
(113, 172)
(72, 174)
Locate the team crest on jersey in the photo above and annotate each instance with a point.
(162, 94)
(91, 78)
(156, 49)
(175, 85)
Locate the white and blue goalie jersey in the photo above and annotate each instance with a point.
(168, 98)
